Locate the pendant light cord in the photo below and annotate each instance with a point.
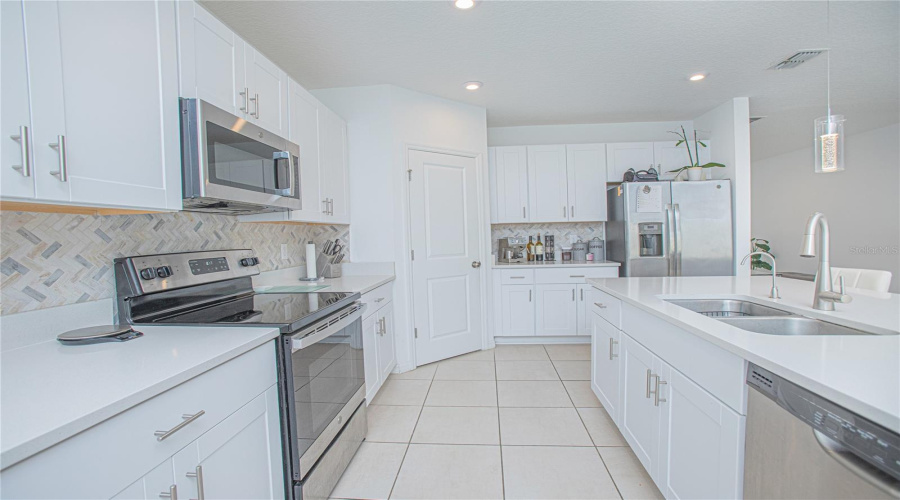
(828, 57)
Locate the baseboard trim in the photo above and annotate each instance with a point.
(579, 339)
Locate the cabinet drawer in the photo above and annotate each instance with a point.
(574, 275)
(375, 299)
(607, 306)
(106, 458)
(516, 276)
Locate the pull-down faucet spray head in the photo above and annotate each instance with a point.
(808, 248)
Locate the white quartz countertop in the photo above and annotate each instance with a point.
(858, 372)
(557, 264)
(350, 284)
(50, 392)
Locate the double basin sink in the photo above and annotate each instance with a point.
(763, 319)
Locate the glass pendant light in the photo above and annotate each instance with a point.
(829, 129)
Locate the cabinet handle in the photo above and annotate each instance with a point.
(656, 399)
(60, 145)
(379, 299)
(325, 201)
(172, 494)
(564, 211)
(246, 95)
(573, 295)
(612, 342)
(255, 100)
(581, 291)
(572, 211)
(576, 276)
(529, 295)
(25, 144)
(198, 473)
(517, 277)
(523, 213)
(188, 418)
(599, 305)
(648, 383)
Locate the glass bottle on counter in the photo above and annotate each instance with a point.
(529, 249)
(539, 250)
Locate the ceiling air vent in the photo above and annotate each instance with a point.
(797, 59)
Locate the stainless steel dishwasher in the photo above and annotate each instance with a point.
(800, 445)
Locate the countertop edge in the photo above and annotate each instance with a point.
(555, 265)
(27, 449)
(841, 398)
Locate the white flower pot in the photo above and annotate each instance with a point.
(695, 173)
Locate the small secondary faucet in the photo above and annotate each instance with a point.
(817, 235)
(774, 293)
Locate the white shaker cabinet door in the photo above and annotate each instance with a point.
(334, 173)
(517, 310)
(605, 351)
(510, 180)
(385, 341)
(120, 82)
(16, 169)
(583, 310)
(303, 127)
(638, 417)
(701, 455)
(624, 155)
(268, 87)
(547, 184)
(211, 60)
(238, 458)
(556, 309)
(586, 171)
(370, 355)
(158, 482)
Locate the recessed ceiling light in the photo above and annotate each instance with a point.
(473, 85)
(697, 77)
(464, 4)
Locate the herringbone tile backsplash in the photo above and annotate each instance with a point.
(561, 232)
(49, 260)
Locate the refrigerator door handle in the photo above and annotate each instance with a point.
(670, 242)
(676, 218)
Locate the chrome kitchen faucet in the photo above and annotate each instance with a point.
(817, 235)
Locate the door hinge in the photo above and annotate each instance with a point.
(416, 332)
(412, 255)
(409, 174)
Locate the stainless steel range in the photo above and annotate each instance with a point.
(320, 352)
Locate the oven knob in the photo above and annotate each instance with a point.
(249, 261)
(148, 273)
(164, 271)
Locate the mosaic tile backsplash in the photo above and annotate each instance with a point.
(561, 231)
(49, 260)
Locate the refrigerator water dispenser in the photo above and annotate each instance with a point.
(651, 239)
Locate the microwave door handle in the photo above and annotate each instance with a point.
(284, 156)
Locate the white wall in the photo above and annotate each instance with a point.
(861, 204)
(728, 129)
(382, 123)
(585, 133)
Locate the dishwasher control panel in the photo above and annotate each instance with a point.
(847, 431)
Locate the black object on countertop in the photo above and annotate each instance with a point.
(99, 334)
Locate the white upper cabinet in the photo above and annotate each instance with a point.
(547, 184)
(624, 155)
(334, 168)
(16, 173)
(84, 58)
(509, 184)
(303, 129)
(268, 90)
(211, 60)
(586, 171)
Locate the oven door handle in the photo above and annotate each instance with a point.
(327, 327)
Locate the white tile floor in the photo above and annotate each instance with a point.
(513, 422)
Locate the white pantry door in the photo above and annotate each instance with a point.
(446, 255)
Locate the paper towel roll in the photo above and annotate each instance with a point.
(311, 260)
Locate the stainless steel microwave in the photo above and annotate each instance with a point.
(231, 166)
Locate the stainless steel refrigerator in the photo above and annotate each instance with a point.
(671, 228)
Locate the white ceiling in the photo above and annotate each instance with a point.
(597, 62)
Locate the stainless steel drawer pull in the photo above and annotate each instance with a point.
(379, 299)
(572, 211)
(599, 305)
(198, 473)
(25, 144)
(172, 494)
(246, 95)
(517, 277)
(255, 100)
(60, 145)
(612, 342)
(582, 294)
(523, 212)
(573, 295)
(529, 295)
(188, 418)
(656, 399)
(564, 211)
(649, 375)
(576, 276)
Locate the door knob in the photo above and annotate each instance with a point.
(476, 264)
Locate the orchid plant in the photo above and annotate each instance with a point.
(693, 157)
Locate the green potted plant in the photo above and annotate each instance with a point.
(695, 169)
(756, 262)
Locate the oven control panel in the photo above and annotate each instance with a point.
(154, 273)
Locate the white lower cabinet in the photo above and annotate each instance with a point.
(583, 309)
(556, 310)
(605, 351)
(689, 441)
(517, 309)
(379, 351)
(157, 483)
